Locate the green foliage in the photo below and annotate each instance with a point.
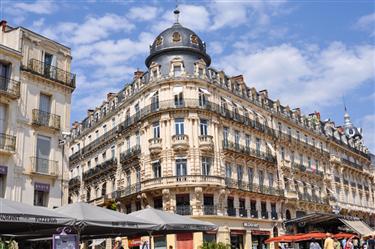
(8, 244)
(213, 245)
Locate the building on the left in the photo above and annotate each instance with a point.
(35, 101)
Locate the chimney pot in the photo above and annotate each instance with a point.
(3, 25)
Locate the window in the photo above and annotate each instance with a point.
(282, 153)
(104, 189)
(289, 131)
(206, 166)
(155, 102)
(280, 127)
(137, 138)
(2, 185)
(247, 142)
(40, 198)
(301, 159)
(239, 172)
(104, 129)
(45, 103)
(250, 175)
(179, 126)
(104, 155)
(225, 135)
(89, 164)
(202, 98)
(309, 162)
(137, 112)
(156, 168)
(306, 139)
(158, 203)
(43, 149)
(127, 143)
(313, 142)
(270, 180)
(292, 156)
(203, 127)
(261, 177)
(113, 152)
(4, 74)
(181, 167)
(177, 70)
(128, 179)
(317, 165)
(179, 99)
(200, 72)
(228, 170)
(97, 134)
(138, 175)
(257, 145)
(113, 122)
(89, 138)
(96, 161)
(156, 129)
(298, 136)
(237, 139)
(3, 120)
(88, 194)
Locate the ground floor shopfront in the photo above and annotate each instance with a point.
(240, 233)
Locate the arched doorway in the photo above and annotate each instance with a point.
(287, 215)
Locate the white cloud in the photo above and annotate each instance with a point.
(38, 7)
(225, 14)
(366, 23)
(145, 13)
(368, 125)
(92, 30)
(304, 77)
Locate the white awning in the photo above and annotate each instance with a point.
(177, 89)
(204, 91)
(271, 148)
(152, 94)
(357, 226)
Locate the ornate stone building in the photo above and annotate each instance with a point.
(186, 138)
(35, 95)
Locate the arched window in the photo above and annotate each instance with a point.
(159, 41)
(194, 39)
(176, 37)
(287, 215)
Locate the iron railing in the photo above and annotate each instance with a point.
(46, 119)
(10, 87)
(7, 142)
(209, 210)
(239, 148)
(51, 72)
(231, 211)
(252, 187)
(254, 213)
(351, 164)
(130, 153)
(44, 166)
(100, 169)
(183, 210)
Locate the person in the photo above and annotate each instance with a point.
(349, 244)
(118, 243)
(343, 242)
(355, 243)
(328, 242)
(314, 245)
(371, 242)
(336, 243)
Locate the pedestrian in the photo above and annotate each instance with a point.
(314, 245)
(355, 243)
(336, 244)
(118, 243)
(343, 243)
(349, 244)
(328, 242)
(371, 242)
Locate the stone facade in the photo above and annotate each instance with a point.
(186, 138)
(35, 99)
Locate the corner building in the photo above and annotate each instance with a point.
(35, 96)
(186, 138)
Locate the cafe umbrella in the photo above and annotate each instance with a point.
(17, 217)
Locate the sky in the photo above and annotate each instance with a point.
(315, 55)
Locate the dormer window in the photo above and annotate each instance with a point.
(177, 70)
(176, 37)
(159, 41)
(194, 39)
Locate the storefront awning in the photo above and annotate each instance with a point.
(357, 226)
(204, 91)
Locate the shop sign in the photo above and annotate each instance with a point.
(134, 242)
(41, 187)
(260, 232)
(237, 232)
(65, 241)
(250, 225)
(3, 170)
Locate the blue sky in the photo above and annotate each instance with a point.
(308, 54)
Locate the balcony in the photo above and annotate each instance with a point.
(183, 209)
(43, 166)
(128, 190)
(206, 143)
(155, 145)
(185, 180)
(9, 88)
(346, 182)
(252, 187)
(130, 154)
(351, 164)
(50, 72)
(264, 214)
(299, 167)
(253, 213)
(74, 182)
(180, 142)
(101, 170)
(239, 149)
(7, 143)
(46, 119)
(274, 216)
(209, 210)
(242, 212)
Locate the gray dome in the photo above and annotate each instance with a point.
(178, 39)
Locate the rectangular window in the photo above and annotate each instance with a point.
(113, 152)
(104, 128)
(203, 127)
(228, 170)
(40, 198)
(158, 203)
(179, 99)
(280, 127)
(237, 139)
(301, 159)
(3, 119)
(138, 138)
(282, 153)
(45, 103)
(89, 164)
(298, 136)
(261, 177)
(156, 129)
(247, 142)
(309, 162)
(257, 145)
(2, 185)
(250, 175)
(104, 155)
(96, 160)
(306, 139)
(177, 70)
(155, 102)
(43, 149)
(206, 166)
(181, 167)
(128, 178)
(137, 112)
(179, 126)
(97, 134)
(316, 165)
(127, 142)
(289, 131)
(239, 172)
(270, 180)
(292, 156)
(156, 167)
(202, 98)
(225, 136)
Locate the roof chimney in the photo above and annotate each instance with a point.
(110, 96)
(138, 74)
(3, 25)
(264, 93)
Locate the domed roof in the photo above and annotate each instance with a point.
(178, 38)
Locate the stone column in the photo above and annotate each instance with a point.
(248, 240)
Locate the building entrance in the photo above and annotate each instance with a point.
(236, 241)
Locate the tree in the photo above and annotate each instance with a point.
(214, 245)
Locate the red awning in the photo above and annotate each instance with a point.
(283, 238)
(344, 235)
(310, 236)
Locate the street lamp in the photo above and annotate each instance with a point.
(62, 142)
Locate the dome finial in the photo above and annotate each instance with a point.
(176, 12)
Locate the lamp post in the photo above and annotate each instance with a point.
(62, 142)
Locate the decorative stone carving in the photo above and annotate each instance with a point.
(166, 199)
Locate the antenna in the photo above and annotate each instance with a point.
(176, 12)
(343, 100)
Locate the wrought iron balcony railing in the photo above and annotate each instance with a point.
(252, 187)
(130, 153)
(242, 212)
(46, 119)
(100, 169)
(239, 148)
(10, 87)
(44, 166)
(209, 210)
(128, 190)
(231, 211)
(254, 213)
(183, 210)
(351, 164)
(50, 72)
(7, 142)
(74, 182)
(264, 214)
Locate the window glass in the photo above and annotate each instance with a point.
(203, 127)
(156, 129)
(206, 166)
(179, 126)
(181, 167)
